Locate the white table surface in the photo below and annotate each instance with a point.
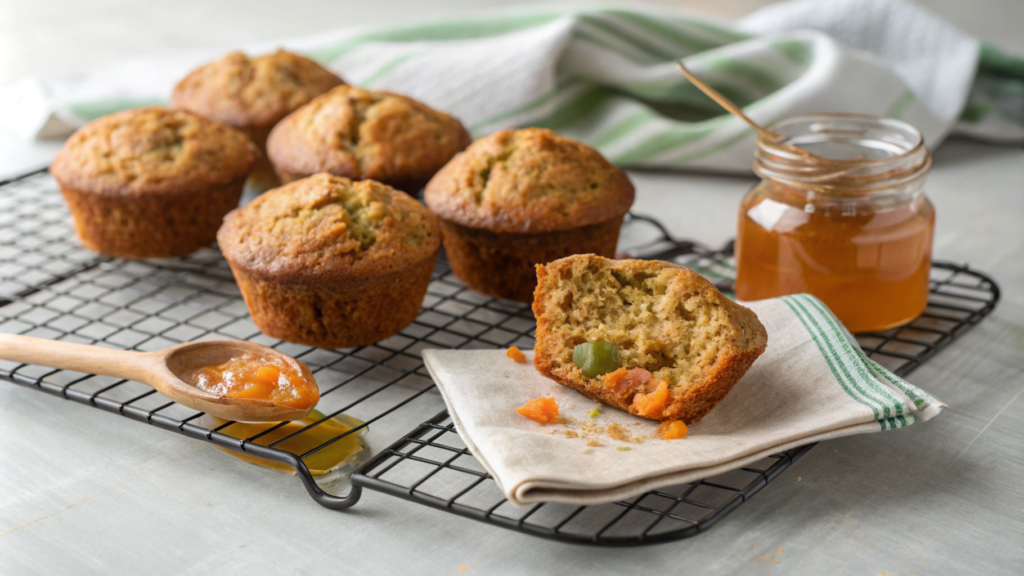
(117, 496)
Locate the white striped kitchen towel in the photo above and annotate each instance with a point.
(812, 383)
(606, 76)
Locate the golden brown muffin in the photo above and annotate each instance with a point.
(253, 94)
(330, 262)
(518, 198)
(360, 134)
(668, 323)
(151, 182)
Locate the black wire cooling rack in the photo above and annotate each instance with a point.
(52, 288)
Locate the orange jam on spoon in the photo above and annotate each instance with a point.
(259, 377)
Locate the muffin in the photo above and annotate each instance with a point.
(361, 134)
(518, 198)
(151, 182)
(253, 94)
(329, 262)
(673, 345)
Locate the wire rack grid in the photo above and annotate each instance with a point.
(52, 288)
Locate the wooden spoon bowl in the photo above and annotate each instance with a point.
(170, 371)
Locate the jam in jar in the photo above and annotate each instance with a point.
(840, 213)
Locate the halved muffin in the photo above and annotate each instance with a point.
(675, 344)
(362, 134)
(330, 262)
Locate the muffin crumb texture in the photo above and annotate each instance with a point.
(359, 134)
(683, 344)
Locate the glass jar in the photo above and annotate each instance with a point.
(840, 213)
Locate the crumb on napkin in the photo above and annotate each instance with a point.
(591, 431)
(672, 430)
(543, 410)
(516, 354)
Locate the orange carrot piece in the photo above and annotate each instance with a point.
(612, 379)
(516, 354)
(543, 410)
(623, 380)
(672, 430)
(652, 404)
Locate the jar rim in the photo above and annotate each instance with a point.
(905, 156)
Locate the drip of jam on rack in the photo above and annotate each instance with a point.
(344, 446)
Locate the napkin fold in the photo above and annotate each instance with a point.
(606, 76)
(812, 383)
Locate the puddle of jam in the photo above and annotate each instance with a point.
(321, 462)
(260, 377)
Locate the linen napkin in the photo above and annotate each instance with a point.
(607, 76)
(812, 383)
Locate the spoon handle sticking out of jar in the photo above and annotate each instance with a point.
(738, 112)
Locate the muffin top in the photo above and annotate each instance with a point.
(243, 91)
(530, 180)
(152, 150)
(327, 227)
(360, 134)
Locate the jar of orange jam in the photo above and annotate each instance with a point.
(840, 213)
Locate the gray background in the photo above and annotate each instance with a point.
(83, 491)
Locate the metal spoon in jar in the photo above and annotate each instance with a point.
(169, 371)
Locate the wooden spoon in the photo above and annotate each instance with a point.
(165, 370)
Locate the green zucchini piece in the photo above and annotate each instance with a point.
(596, 358)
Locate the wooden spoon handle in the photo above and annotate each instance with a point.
(727, 104)
(78, 357)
